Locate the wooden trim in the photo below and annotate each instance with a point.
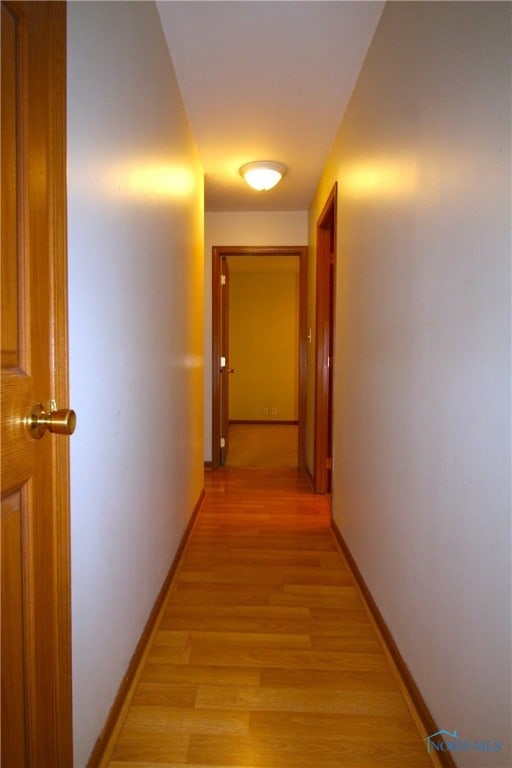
(216, 389)
(326, 220)
(101, 754)
(208, 465)
(262, 421)
(303, 358)
(415, 701)
(218, 252)
(57, 202)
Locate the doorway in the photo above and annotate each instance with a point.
(223, 259)
(324, 354)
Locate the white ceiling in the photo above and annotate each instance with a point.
(266, 80)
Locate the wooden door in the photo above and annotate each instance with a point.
(35, 632)
(325, 293)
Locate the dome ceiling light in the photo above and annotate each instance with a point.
(263, 174)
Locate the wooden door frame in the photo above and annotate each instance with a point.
(60, 383)
(218, 253)
(324, 331)
(224, 349)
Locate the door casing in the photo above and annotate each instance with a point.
(224, 373)
(324, 357)
(218, 254)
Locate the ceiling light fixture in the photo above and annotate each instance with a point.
(263, 174)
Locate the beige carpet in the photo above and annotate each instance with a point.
(262, 445)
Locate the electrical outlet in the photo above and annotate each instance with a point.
(274, 411)
(265, 411)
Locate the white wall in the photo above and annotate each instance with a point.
(136, 346)
(422, 358)
(240, 228)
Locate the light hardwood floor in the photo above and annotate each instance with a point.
(265, 656)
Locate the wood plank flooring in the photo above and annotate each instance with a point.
(265, 656)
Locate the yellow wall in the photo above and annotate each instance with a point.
(421, 455)
(264, 345)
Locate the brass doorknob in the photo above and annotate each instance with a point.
(62, 422)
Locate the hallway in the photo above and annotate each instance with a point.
(265, 655)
